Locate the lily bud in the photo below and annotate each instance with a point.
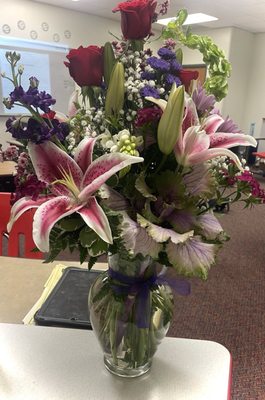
(169, 127)
(109, 62)
(115, 92)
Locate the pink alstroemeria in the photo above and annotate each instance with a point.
(73, 184)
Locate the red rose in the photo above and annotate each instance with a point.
(136, 18)
(86, 65)
(187, 76)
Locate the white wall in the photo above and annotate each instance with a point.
(245, 102)
(255, 95)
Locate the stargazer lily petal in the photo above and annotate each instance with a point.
(96, 219)
(46, 217)
(213, 153)
(227, 140)
(102, 169)
(195, 149)
(50, 164)
(74, 184)
(212, 123)
(21, 206)
(83, 153)
(72, 110)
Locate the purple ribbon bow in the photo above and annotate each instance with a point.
(137, 291)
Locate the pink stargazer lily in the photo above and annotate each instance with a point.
(73, 183)
(202, 143)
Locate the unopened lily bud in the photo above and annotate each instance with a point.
(109, 62)
(169, 127)
(115, 92)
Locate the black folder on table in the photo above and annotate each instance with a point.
(67, 304)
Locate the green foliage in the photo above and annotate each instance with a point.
(219, 68)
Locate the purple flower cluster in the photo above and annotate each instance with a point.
(36, 131)
(31, 97)
(26, 182)
(165, 69)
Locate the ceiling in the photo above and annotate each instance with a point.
(245, 14)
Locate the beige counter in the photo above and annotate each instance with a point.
(21, 284)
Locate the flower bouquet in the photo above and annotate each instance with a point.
(134, 171)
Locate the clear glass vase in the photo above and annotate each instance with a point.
(130, 312)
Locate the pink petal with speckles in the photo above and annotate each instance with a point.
(220, 139)
(46, 217)
(212, 123)
(83, 153)
(96, 219)
(209, 154)
(22, 205)
(102, 169)
(49, 161)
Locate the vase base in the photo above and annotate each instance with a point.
(127, 372)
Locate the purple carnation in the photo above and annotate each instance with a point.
(149, 91)
(158, 64)
(166, 53)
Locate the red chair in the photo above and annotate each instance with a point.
(20, 242)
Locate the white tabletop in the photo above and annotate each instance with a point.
(43, 363)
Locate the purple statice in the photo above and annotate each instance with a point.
(169, 79)
(158, 64)
(228, 126)
(149, 91)
(166, 54)
(175, 67)
(203, 101)
(148, 75)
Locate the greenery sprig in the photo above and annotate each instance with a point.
(219, 68)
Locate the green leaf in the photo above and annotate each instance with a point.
(87, 237)
(98, 248)
(71, 224)
(83, 253)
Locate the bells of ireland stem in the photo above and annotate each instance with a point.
(169, 127)
(115, 93)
